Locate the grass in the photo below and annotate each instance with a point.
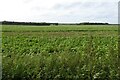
(63, 28)
(60, 52)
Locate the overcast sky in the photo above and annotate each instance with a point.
(74, 11)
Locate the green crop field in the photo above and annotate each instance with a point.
(76, 52)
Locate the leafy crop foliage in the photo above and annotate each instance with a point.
(60, 52)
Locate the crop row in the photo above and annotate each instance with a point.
(36, 58)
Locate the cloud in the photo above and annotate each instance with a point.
(59, 10)
(86, 11)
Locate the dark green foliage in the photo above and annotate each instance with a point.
(28, 23)
(60, 55)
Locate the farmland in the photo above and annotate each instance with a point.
(78, 52)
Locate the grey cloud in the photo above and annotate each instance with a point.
(89, 11)
(66, 6)
(80, 12)
(96, 6)
(77, 5)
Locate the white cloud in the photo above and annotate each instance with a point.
(59, 10)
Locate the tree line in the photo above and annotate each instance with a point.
(87, 23)
(47, 24)
(27, 23)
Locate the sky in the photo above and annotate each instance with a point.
(62, 11)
